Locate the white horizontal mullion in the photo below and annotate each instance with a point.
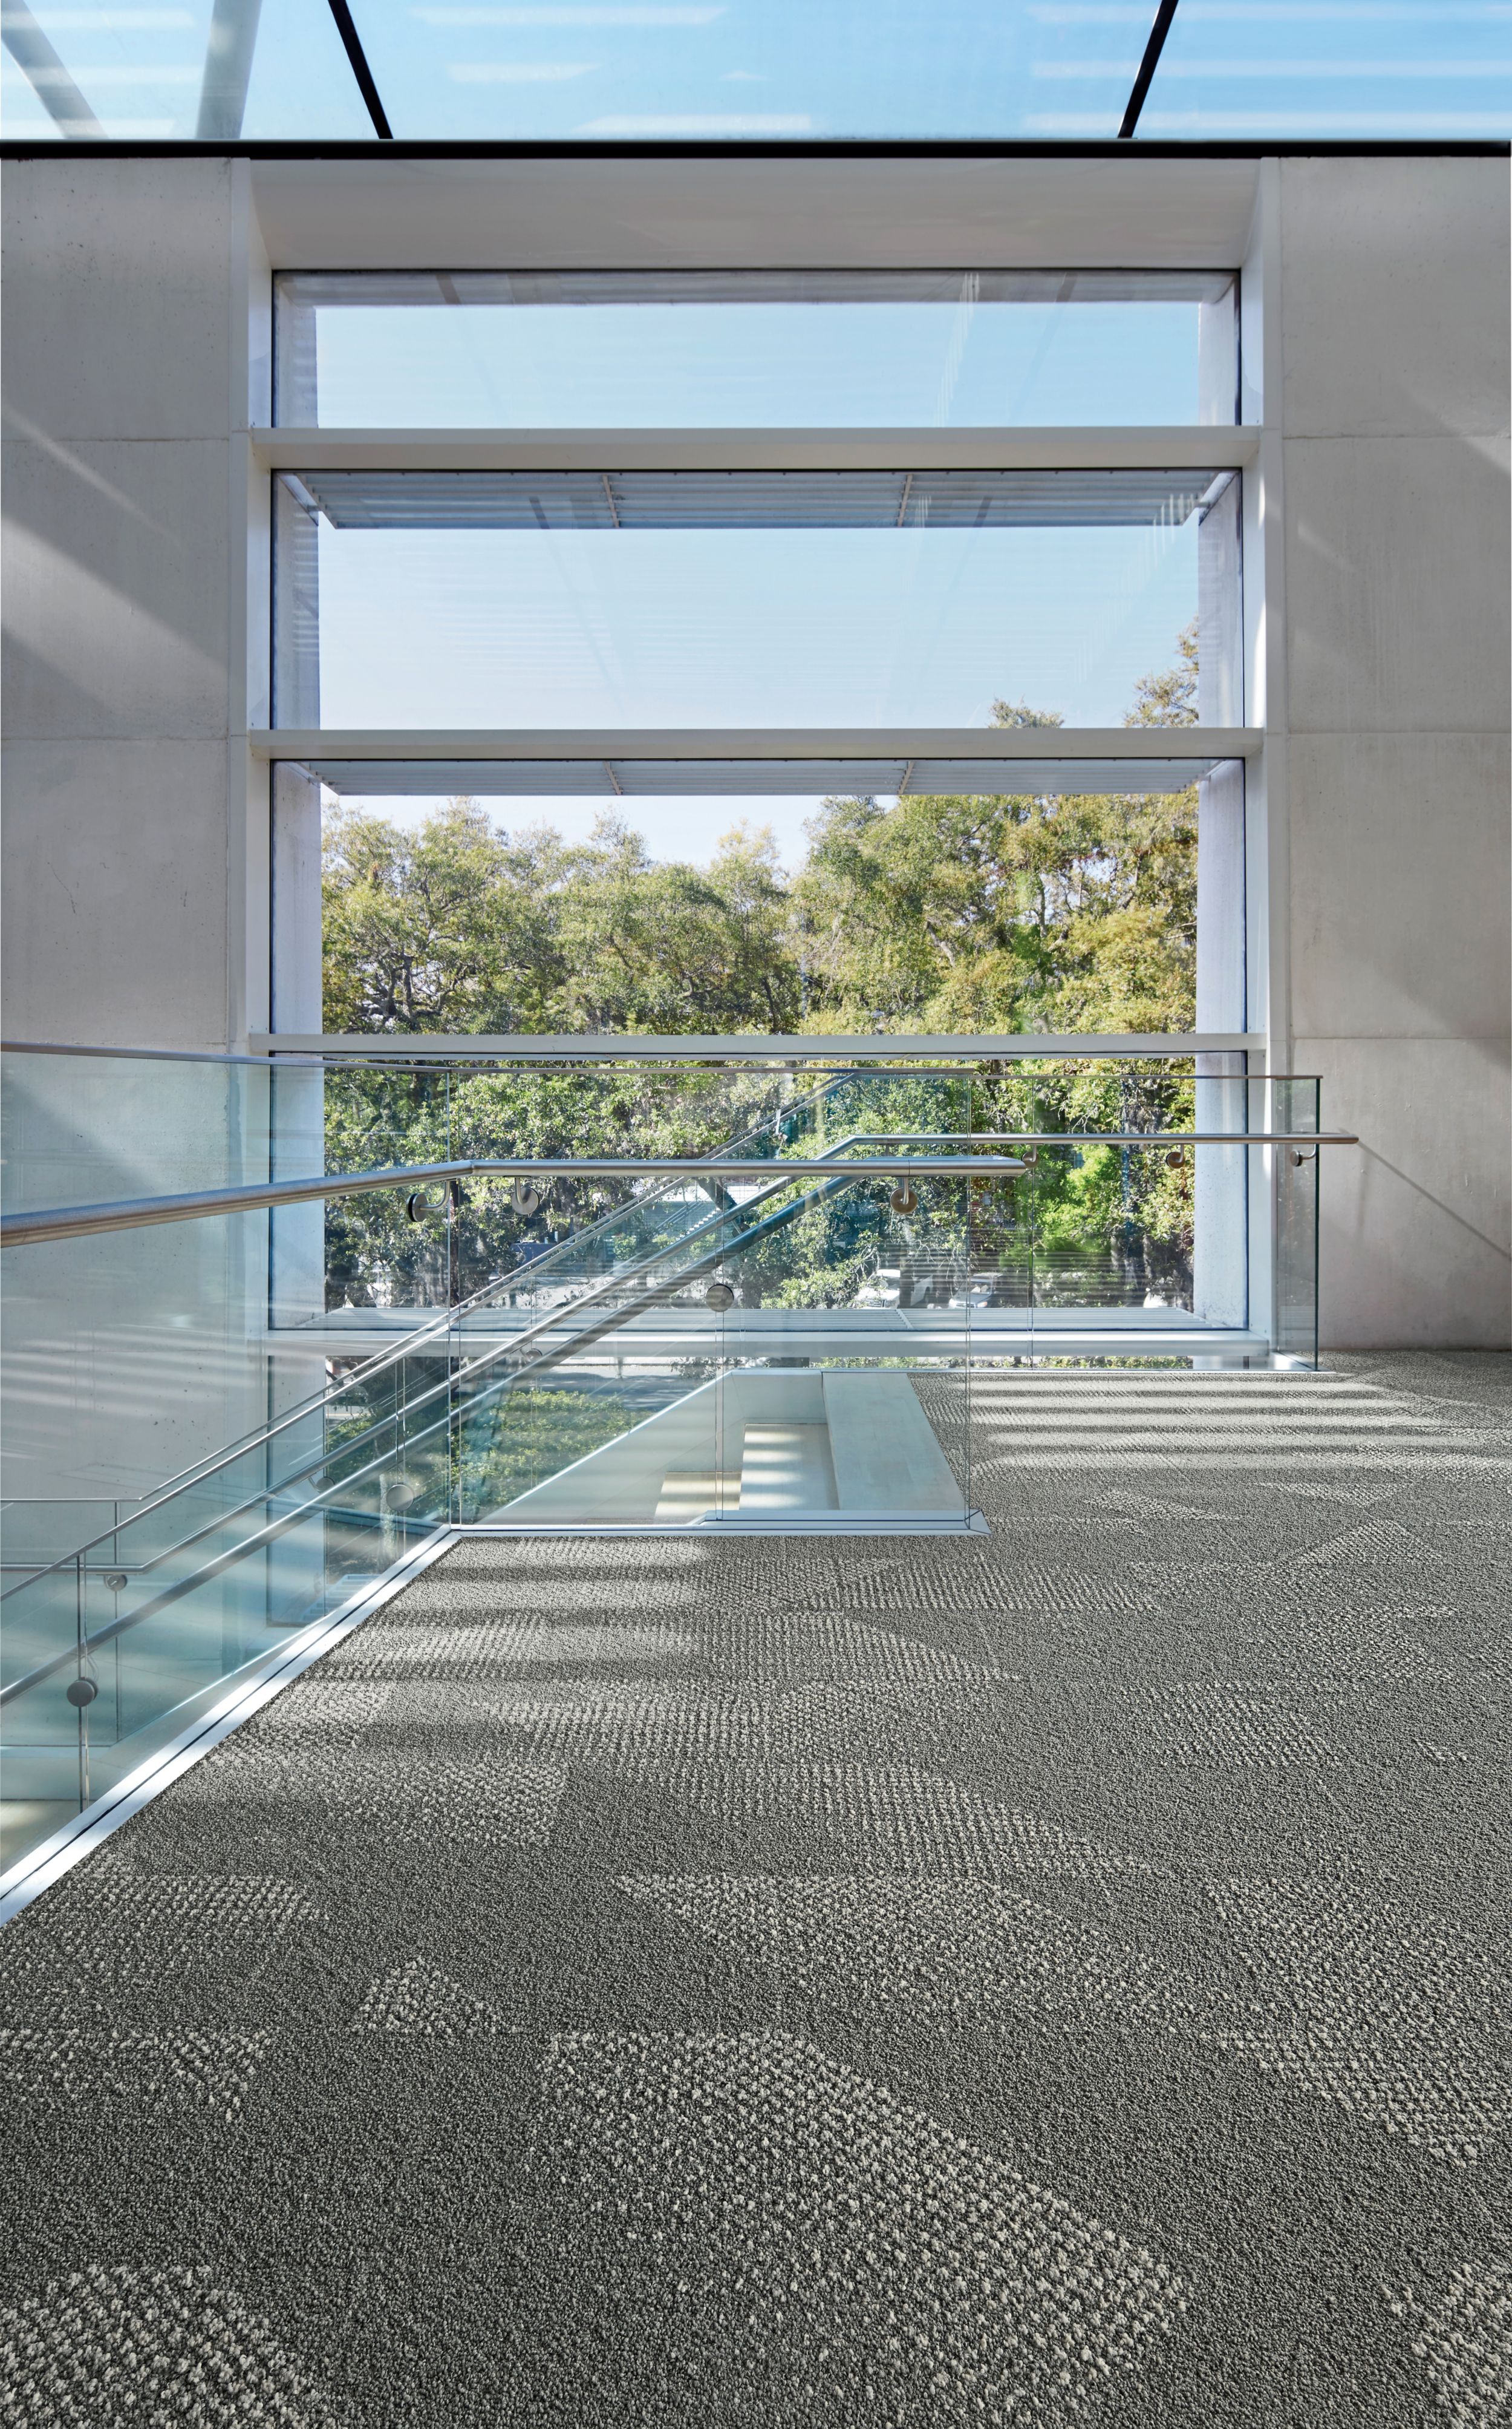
(1216, 447)
(1002, 742)
(535, 1047)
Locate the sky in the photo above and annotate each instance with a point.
(749, 626)
(767, 365)
(685, 827)
(726, 628)
(732, 629)
(640, 69)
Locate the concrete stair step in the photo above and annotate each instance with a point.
(686, 1495)
(786, 1466)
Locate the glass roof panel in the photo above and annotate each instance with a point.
(184, 70)
(643, 69)
(660, 71)
(1344, 70)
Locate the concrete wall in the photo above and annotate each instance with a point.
(125, 664)
(1388, 378)
(123, 490)
(1379, 883)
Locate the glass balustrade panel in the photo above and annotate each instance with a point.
(1294, 1105)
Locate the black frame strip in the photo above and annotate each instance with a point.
(352, 45)
(1163, 16)
(1489, 147)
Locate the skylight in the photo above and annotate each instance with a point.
(659, 71)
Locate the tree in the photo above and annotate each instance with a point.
(446, 929)
(1005, 913)
(1009, 912)
(667, 948)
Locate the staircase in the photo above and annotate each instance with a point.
(761, 1449)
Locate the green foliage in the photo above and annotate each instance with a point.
(1002, 914)
(376, 1256)
(459, 927)
(442, 929)
(1008, 913)
(520, 1436)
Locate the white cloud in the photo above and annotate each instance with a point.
(700, 126)
(567, 16)
(115, 20)
(514, 72)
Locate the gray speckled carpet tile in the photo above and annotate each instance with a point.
(1057, 1977)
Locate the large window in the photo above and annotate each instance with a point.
(607, 598)
(617, 350)
(760, 678)
(954, 898)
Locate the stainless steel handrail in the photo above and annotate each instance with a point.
(415, 1344)
(424, 1336)
(837, 1177)
(132, 1213)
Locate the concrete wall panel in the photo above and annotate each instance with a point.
(1392, 265)
(116, 597)
(122, 700)
(1392, 292)
(117, 296)
(116, 864)
(1416, 1234)
(650, 213)
(1401, 875)
(1398, 559)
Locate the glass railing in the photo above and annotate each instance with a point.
(768, 1314)
(734, 1345)
(1119, 1232)
(504, 1412)
(379, 1262)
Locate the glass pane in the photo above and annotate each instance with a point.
(754, 349)
(862, 897)
(82, 1129)
(129, 1357)
(110, 1654)
(217, 70)
(1129, 1241)
(745, 1362)
(1418, 69)
(106, 1668)
(1294, 1106)
(605, 1409)
(743, 70)
(750, 599)
(382, 1266)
